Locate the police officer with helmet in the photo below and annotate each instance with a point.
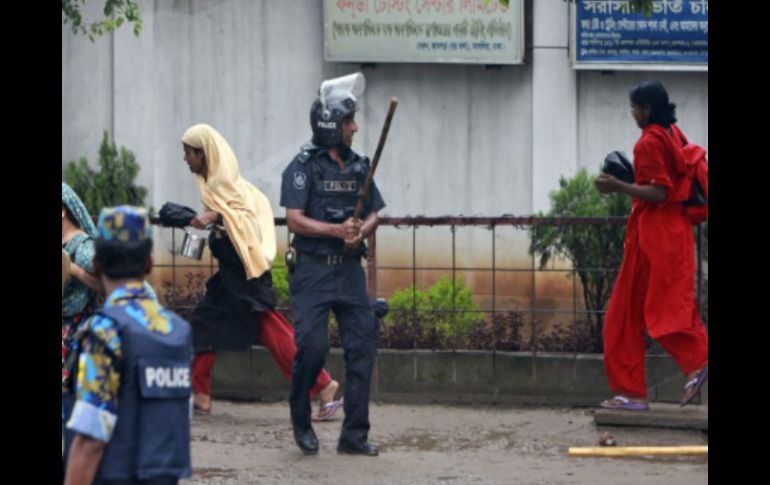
(319, 190)
(131, 419)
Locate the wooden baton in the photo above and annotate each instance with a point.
(369, 176)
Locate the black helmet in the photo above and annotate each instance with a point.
(618, 165)
(336, 101)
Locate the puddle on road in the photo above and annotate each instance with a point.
(428, 440)
(213, 473)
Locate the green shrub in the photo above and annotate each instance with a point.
(441, 317)
(112, 185)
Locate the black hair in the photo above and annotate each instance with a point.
(123, 260)
(653, 93)
(199, 151)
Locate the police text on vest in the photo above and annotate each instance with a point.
(167, 377)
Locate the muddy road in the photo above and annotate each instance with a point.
(252, 443)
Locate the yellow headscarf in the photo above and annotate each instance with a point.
(246, 212)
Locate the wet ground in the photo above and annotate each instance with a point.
(252, 443)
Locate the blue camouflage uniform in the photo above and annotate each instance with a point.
(133, 378)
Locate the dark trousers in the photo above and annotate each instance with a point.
(315, 289)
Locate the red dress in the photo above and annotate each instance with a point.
(655, 288)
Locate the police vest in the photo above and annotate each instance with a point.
(332, 198)
(151, 439)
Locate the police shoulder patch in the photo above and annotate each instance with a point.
(361, 165)
(299, 180)
(365, 161)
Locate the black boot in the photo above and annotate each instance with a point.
(306, 440)
(357, 448)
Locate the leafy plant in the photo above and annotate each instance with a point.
(594, 250)
(116, 13)
(112, 185)
(183, 299)
(439, 317)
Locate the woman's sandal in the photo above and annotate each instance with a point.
(328, 410)
(200, 411)
(693, 386)
(622, 402)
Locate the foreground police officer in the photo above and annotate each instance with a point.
(132, 415)
(319, 190)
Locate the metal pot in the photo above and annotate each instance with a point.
(193, 245)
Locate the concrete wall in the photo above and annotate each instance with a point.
(425, 376)
(604, 113)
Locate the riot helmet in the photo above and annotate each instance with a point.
(337, 99)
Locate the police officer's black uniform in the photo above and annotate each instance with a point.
(327, 277)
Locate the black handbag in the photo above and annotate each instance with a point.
(618, 165)
(175, 215)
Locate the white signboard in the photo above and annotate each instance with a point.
(430, 31)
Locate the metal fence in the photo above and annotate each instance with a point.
(563, 327)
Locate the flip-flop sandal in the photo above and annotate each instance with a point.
(693, 386)
(199, 411)
(328, 410)
(622, 402)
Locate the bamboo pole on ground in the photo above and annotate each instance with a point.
(638, 450)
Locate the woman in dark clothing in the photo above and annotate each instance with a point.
(240, 300)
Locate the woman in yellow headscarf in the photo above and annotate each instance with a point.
(240, 301)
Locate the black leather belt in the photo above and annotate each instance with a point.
(327, 259)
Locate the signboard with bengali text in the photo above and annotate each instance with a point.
(424, 31)
(607, 35)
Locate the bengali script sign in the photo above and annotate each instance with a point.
(675, 36)
(432, 31)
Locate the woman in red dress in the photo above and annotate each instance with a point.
(654, 291)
